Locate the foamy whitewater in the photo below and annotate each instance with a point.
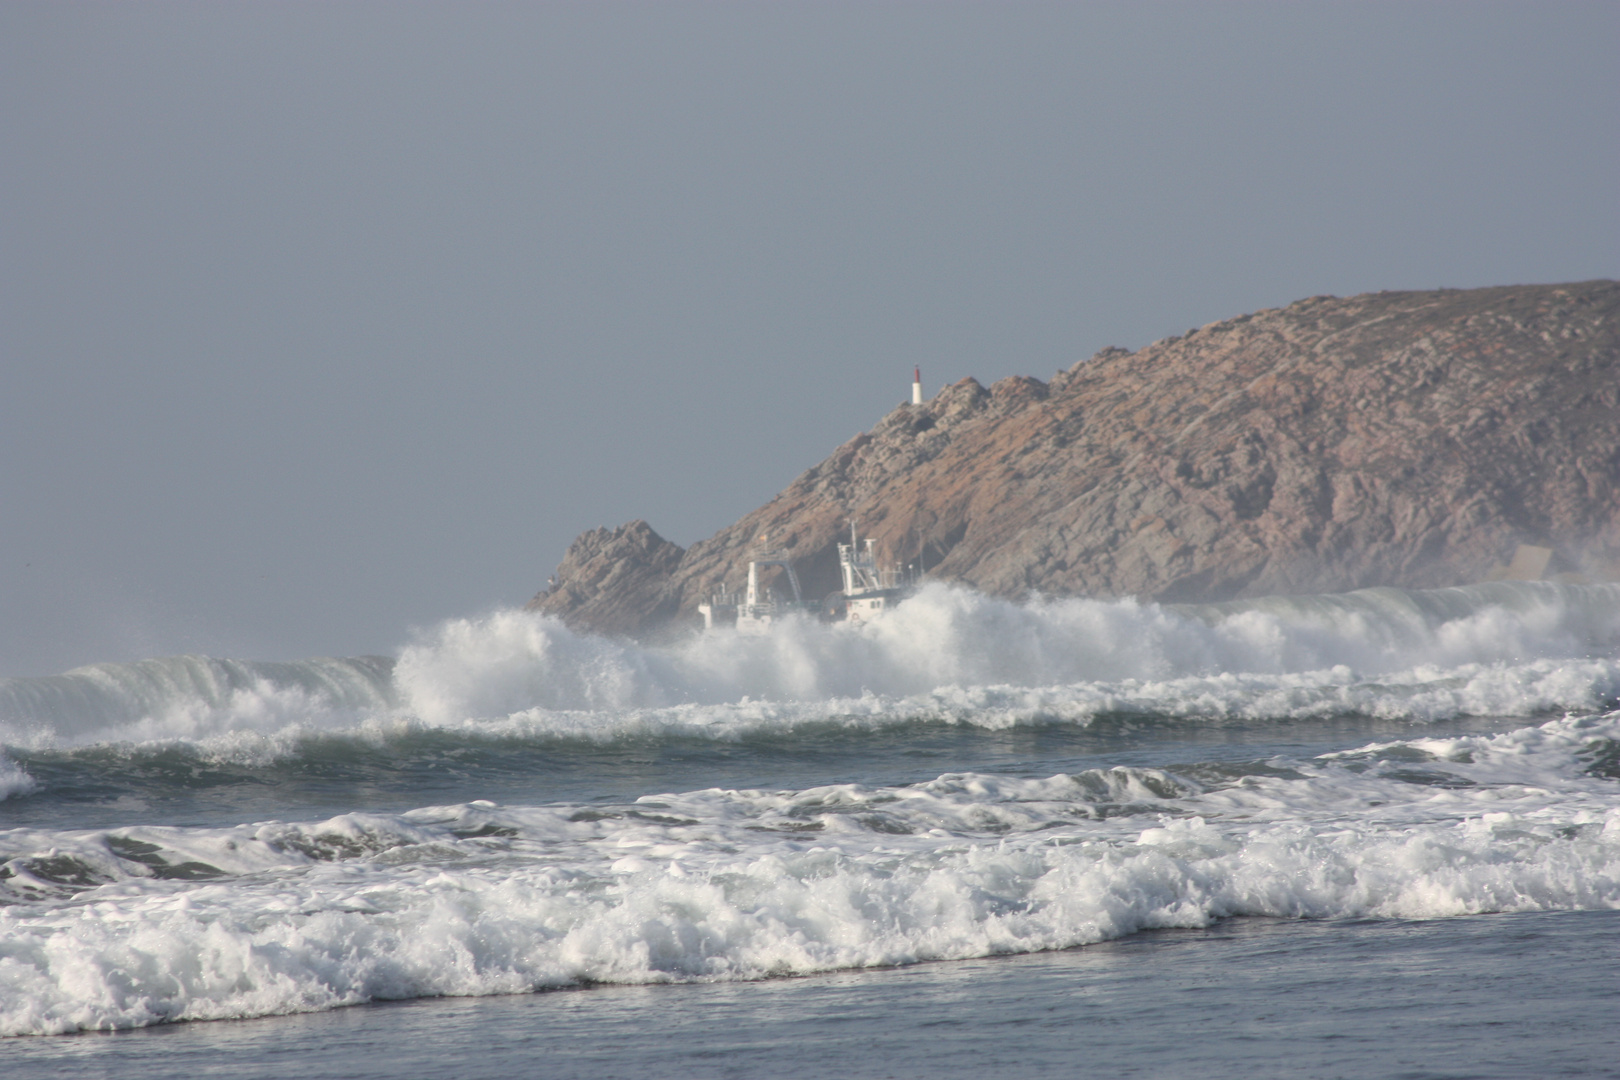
(507, 806)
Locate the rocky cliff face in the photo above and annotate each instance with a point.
(1410, 439)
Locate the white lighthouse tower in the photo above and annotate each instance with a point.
(916, 385)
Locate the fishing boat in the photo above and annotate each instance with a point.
(759, 607)
(869, 590)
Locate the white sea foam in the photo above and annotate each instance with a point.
(943, 637)
(13, 780)
(946, 655)
(143, 925)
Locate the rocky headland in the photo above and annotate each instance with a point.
(1414, 439)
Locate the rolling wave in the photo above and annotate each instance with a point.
(947, 655)
(139, 925)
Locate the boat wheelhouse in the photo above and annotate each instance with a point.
(869, 590)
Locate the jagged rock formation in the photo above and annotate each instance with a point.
(615, 581)
(1410, 439)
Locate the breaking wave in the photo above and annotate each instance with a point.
(948, 655)
(139, 925)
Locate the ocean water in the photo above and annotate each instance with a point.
(1373, 834)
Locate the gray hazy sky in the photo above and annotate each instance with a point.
(321, 322)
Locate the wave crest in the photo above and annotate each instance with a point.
(946, 654)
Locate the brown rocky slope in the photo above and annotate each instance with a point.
(1400, 438)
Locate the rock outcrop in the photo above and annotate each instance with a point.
(615, 581)
(1408, 438)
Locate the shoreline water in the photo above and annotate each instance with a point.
(1476, 996)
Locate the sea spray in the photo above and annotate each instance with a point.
(13, 779)
(189, 697)
(947, 655)
(948, 636)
